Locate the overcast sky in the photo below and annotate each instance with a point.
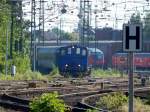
(117, 12)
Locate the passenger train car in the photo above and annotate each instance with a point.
(46, 58)
(141, 61)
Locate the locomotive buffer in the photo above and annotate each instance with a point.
(132, 42)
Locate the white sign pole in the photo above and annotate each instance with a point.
(131, 83)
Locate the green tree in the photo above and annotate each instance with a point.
(48, 103)
(5, 21)
(65, 35)
(146, 31)
(135, 18)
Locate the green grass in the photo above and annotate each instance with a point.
(112, 101)
(28, 75)
(105, 73)
(139, 106)
(118, 102)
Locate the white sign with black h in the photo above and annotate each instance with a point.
(132, 37)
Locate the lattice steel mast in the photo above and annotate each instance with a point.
(33, 28)
(41, 20)
(85, 21)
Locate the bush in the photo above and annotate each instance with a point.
(48, 102)
(22, 63)
(112, 101)
(54, 72)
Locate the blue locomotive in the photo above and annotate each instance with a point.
(73, 60)
(77, 60)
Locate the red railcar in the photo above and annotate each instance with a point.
(96, 58)
(141, 61)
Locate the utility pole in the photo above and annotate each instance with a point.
(12, 28)
(95, 32)
(33, 28)
(40, 19)
(21, 28)
(43, 36)
(60, 36)
(6, 57)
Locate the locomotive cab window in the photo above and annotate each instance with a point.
(62, 52)
(78, 51)
(69, 50)
(83, 52)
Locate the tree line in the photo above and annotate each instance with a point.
(20, 53)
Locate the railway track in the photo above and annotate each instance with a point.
(75, 100)
(72, 93)
(14, 103)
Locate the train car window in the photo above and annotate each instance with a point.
(99, 56)
(78, 51)
(63, 52)
(89, 52)
(83, 52)
(69, 50)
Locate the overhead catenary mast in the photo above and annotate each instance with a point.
(33, 28)
(41, 20)
(85, 21)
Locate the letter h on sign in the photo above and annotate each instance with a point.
(132, 37)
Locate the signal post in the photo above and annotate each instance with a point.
(132, 42)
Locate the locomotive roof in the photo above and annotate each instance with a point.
(75, 45)
(141, 54)
(97, 50)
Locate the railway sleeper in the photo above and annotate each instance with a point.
(14, 105)
(84, 106)
(14, 99)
